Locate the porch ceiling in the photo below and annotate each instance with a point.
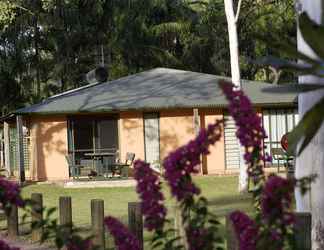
(159, 88)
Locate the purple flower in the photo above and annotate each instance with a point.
(149, 190)
(249, 129)
(197, 238)
(246, 230)
(5, 246)
(124, 239)
(82, 245)
(10, 193)
(184, 161)
(276, 199)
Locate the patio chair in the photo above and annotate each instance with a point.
(74, 169)
(279, 155)
(4, 173)
(122, 168)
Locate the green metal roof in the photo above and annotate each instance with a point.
(159, 88)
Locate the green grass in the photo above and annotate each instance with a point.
(221, 193)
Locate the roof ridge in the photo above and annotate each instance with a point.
(75, 90)
(95, 84)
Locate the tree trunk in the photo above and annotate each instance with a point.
(36, 41)
(233, 42)
(311, 161)
(236, 77)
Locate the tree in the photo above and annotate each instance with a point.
(232, 19)
(311, 160)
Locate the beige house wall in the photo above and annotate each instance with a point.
(131, 134)
(214, 163)
(49, 148)
(49, 140)
(176, 129)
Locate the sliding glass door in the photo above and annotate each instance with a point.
(88, 135)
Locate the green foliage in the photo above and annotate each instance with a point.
(7, 13)
(62, 235)
(306, 128)
(313, 34)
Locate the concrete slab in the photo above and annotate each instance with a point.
(99, 184)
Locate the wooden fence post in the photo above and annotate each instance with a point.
(37, 216)
(179, 227)
(65, 210)
(231, 239)
(12, 222)
(97, 222)
(135, 221)
(303, 231)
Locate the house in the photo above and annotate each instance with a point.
(150, 114)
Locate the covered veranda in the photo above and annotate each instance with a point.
(93, 145)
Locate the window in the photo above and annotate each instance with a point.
(152, 138)
(232, 144)
(276, 123)
(83, 134)
(107, 136)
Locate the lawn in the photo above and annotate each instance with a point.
(220, 191)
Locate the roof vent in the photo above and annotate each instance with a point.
(99, 74)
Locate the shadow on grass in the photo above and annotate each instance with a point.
(230, 200)
(221, 206)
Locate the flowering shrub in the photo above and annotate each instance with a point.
(124, 240)
(246, 229)
(184, 161)
(200, 228)
(249, 130)
(270, 229)
(10, 194)
(272, 226)
(5, 246)
(276, 199)
(77, 243)
(149, 190)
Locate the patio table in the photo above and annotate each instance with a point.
(99, 156)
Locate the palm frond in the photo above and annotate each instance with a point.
(170, 27)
